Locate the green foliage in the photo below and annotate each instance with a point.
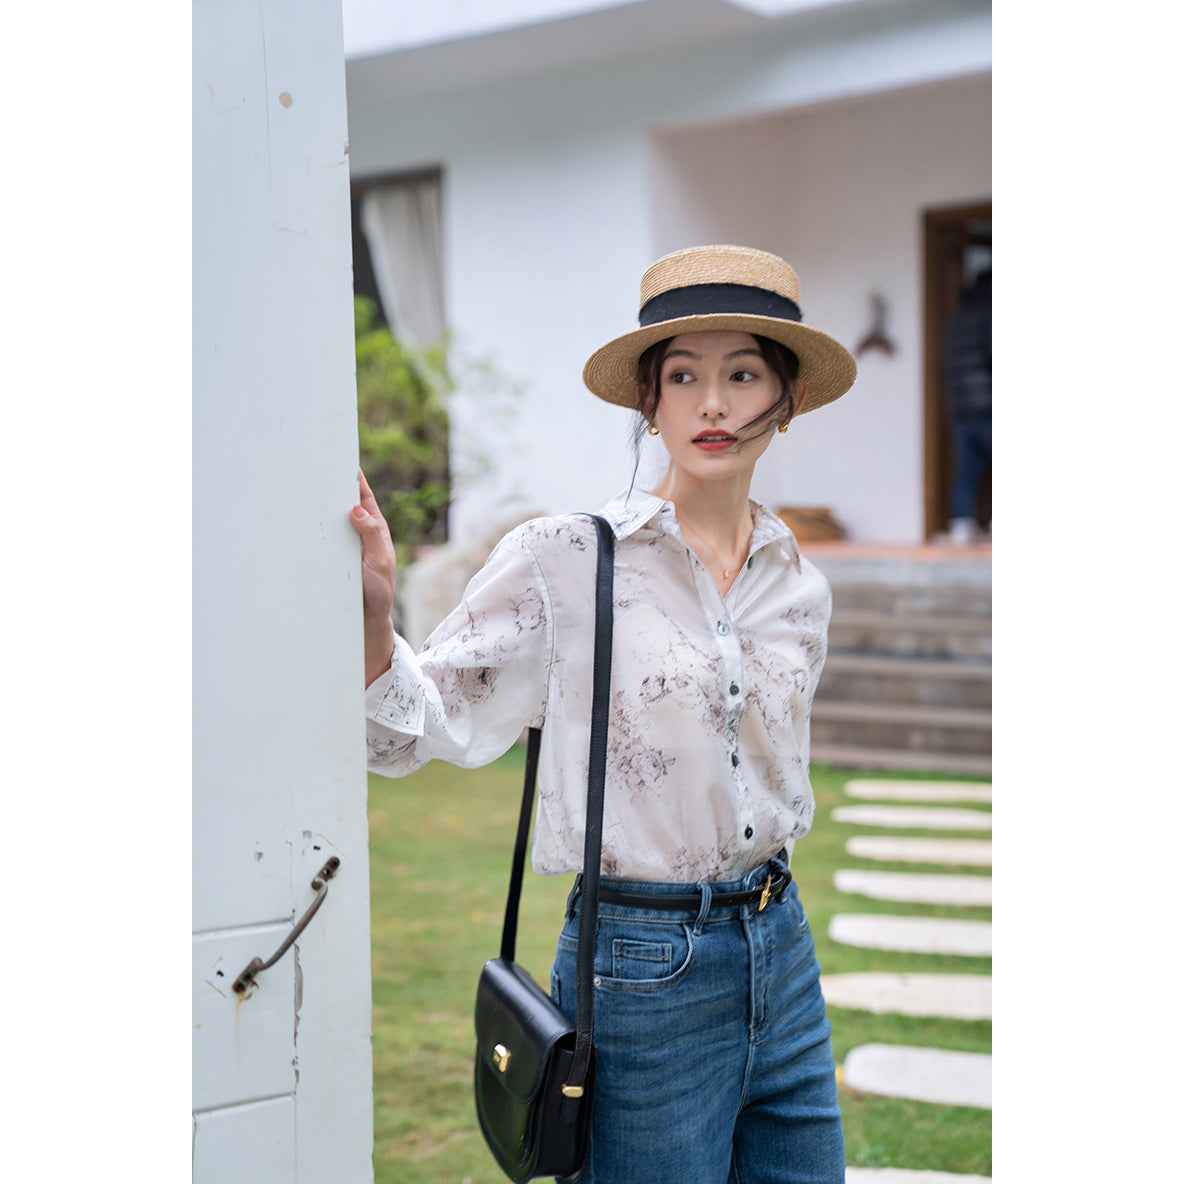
(403, 429)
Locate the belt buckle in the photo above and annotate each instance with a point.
(765, 890)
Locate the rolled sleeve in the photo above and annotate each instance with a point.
(396, 700)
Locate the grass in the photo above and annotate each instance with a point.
(440, 845)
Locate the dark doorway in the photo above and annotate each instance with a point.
(957, 247)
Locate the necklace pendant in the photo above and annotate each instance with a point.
(727, 574)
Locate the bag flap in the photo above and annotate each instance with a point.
(517, 1026)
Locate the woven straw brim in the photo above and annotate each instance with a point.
(827, 368)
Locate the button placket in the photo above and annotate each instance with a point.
(716, 610)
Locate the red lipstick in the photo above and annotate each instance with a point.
(714, 441)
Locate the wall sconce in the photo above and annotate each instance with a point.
(876, 338)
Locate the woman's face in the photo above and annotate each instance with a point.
(711, 385)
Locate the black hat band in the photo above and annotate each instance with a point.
(696, 300)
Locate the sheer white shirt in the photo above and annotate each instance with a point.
(708, 739)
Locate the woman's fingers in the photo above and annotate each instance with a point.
(378, 551)
(366, 496)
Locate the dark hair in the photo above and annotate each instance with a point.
(780, 358)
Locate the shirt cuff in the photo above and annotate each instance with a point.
(396, 699)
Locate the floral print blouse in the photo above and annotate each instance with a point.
(708, 740)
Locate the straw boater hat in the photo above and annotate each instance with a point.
(736, 288)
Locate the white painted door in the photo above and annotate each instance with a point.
(281, 1073)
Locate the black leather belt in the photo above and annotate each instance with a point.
(775, 884)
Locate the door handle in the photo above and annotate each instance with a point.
(321, 887)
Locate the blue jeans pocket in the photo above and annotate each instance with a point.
(631, 956)
(640, 960)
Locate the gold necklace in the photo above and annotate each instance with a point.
(728, 571)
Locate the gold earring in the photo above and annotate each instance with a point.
(653, 429)
(783, 427)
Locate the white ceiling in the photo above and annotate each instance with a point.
(392, 55)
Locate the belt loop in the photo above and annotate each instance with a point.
(780, 863)
(704, 907)
(571, 896)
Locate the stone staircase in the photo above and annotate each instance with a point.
(907, 683)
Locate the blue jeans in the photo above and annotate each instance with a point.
(714, 1059)
(972, 455)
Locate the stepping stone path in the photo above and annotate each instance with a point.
(917, 935)
(923, 1074)
(970, 852)
(919, 791)
(919, 889)
(953, 996)
(914, 817)
(905, 1176)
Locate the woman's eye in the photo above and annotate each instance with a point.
(678, 376)
(743, 376)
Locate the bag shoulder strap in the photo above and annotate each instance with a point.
(597, 754)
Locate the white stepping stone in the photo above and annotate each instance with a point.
(970, 852)
(915, 888)
(906, 1176)
(920, 791)
(916, 935)
(952, 996)
(914, 817)
(923, 1074)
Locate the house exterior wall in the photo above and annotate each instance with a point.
(839, 191)
(560, 189)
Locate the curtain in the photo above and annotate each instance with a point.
(403, 227)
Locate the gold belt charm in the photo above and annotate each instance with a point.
(760, 908)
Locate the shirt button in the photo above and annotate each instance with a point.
(722, 629)
(734, 689)
(748, 832)
(735, 759)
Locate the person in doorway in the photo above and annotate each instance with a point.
(966, 369)
(714, 1056)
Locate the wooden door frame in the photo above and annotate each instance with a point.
(942, 283)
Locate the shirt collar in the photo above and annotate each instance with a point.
(629, 511)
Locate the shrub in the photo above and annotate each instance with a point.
(403, 430)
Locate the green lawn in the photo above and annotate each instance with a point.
(440, 844)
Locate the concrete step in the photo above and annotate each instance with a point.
(860, 756)
(914, 888)
(954, 996)
(915, 935)
(923, 1074)
(910, 1176)
(913, 817)
(866, 631)
(893, 849)
(913, 598)
(895, 678)
(917, 791)
(960, 730)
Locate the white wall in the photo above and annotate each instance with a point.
(547, 208)
(839, 191)
(282, 1074)
(378, 26)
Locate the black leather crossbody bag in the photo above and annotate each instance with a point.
(535, 1070)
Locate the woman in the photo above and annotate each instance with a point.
(714, 1059)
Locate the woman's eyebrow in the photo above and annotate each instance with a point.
(746, 351)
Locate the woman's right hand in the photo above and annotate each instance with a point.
(378, 580)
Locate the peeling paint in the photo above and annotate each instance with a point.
(299, 1002)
